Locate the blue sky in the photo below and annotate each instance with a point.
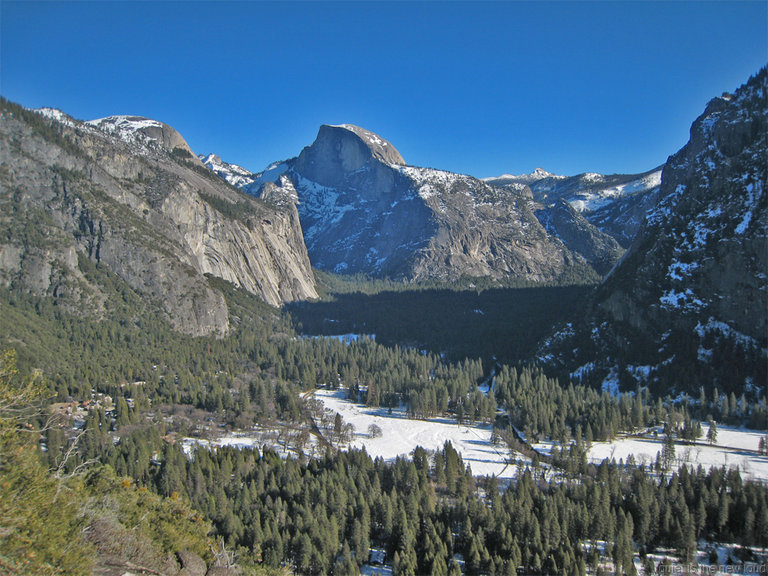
(476, 87)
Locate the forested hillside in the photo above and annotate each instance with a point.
(427, 514)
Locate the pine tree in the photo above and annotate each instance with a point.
(39, 514)
(712, 432)
(668, 454)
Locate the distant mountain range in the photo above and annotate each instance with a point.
(616, 203)
(364, 210)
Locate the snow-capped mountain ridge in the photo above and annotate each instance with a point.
(56, 114)
(145, 135)
(535, 176)
(616, 204)
(363, 209)
(232, 173)
(130, 129)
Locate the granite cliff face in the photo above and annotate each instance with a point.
(339, 151)
(127, 194)
(364, 210)
(693, 287)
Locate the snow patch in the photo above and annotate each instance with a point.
(753, 191)
(232, 173)
(611, 382)
(686, 300)
(590, 201)
(57, 115)
(725, 330)
(400, 435)
(681, 270)
(734, 448)
(583, 371)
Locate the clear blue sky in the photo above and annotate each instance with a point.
(479, 88)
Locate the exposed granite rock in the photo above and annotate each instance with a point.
(157, 220)
(146, 133)
(601, 250)
(363, 210)
(704, 250)
(191, 564)
(341, 150)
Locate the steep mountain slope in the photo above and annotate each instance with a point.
(561, 219)
(127, 194)
(688, 304)
(616, 203)
(364, 210)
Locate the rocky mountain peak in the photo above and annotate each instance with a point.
(380, 148)
(116, 193)
(340, 150)
(364, 211)
(145, 132)
(232, 173)
(212, 158)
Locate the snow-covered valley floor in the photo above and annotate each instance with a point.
(400, 435)
(734, 447)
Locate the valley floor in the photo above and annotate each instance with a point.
(398, 435)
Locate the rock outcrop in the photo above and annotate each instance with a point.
(120, 194)
(146, 133)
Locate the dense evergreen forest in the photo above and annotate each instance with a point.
(321, 516)
(428, 514)
(468, 319)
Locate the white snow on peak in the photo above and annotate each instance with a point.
(55, 114)
(270, 174)
(541, 173)
(588, 201)
(367, 135)
(125, 123)
(232, 173)
(127, 128)
(429, 180)
(535, 176)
